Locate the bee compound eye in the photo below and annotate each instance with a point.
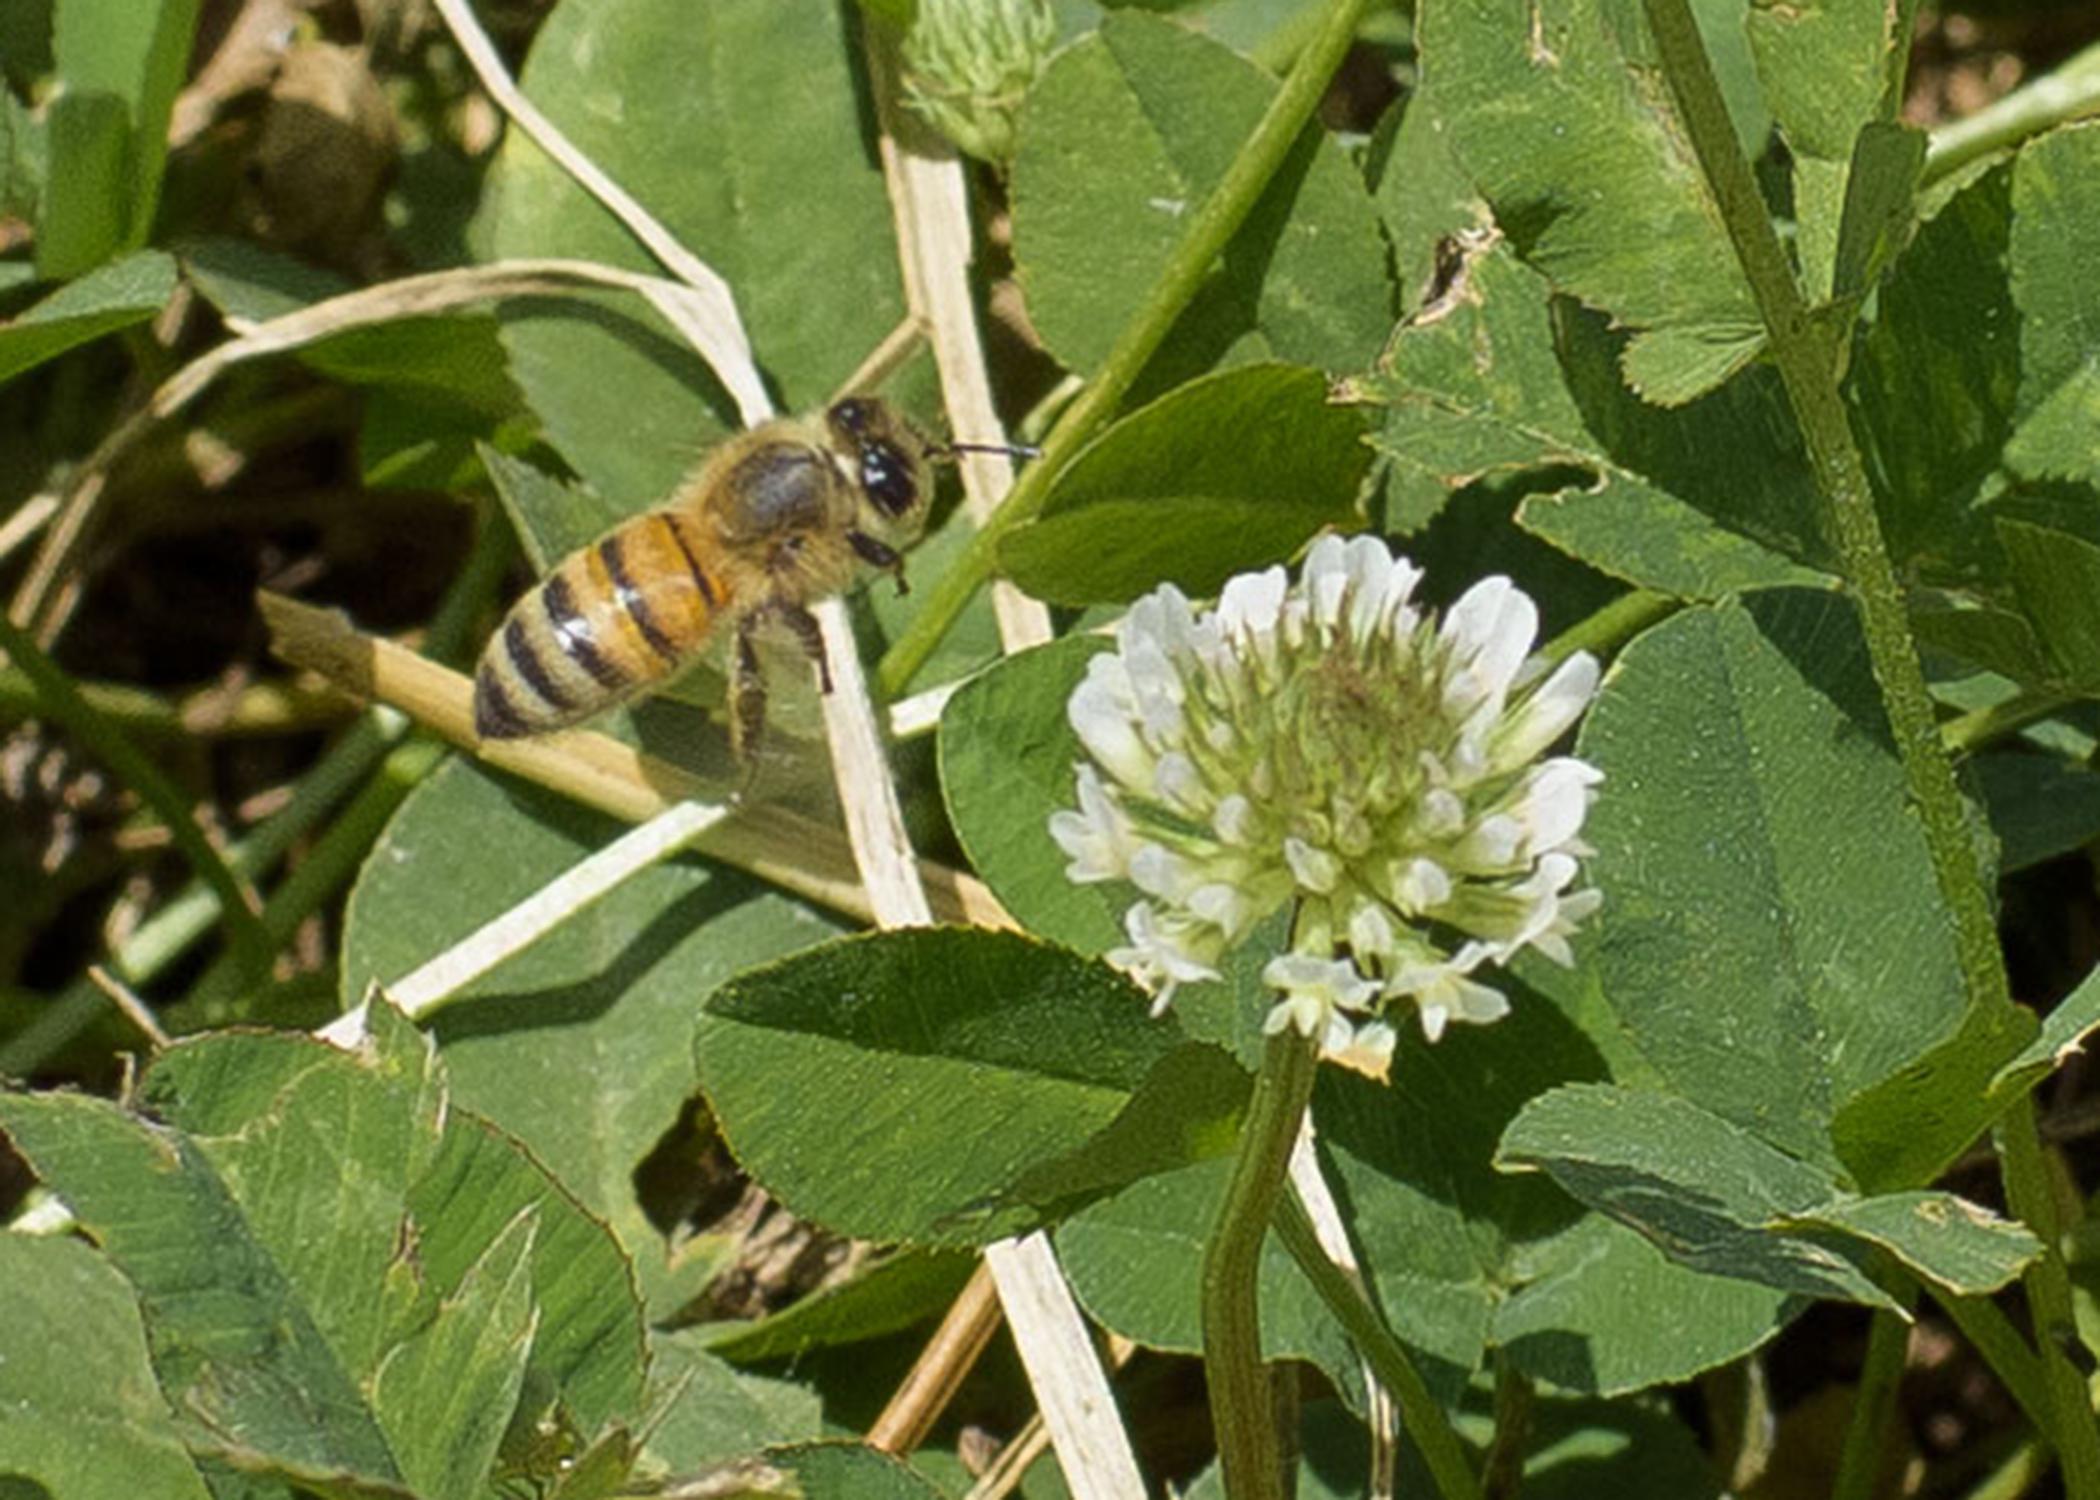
(851, 416)
(888, 479)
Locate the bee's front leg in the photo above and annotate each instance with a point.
(879, 554)
(810, 634)
(747, 694)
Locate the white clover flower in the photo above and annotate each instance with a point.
(1331, 745)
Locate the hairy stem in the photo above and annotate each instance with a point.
(1873, 1408)
(1442, 1452)
(1241, 1407)
(1808, 366)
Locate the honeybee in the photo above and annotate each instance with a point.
(774, 519)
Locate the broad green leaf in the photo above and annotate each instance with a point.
(1766, 966)
(1424, 197)
(1601, 1309)
(893, 1086)
(80, 1414)
(1464, 1256)
(852, 1471)
(1187, 1109)
(116, 296)
(2061, 1035)
(1702, 1189)
(578, 1045)
(2055, 211)
(1583, 1449)
(1828, 68)
(551, 516)
(1830, 71)
(1880, 201)
(87, 137)
(1474, 386)
(900, 1291)
(1573, 1450)
(1226, 474)
(243, 279)
(446, 1393)
(372, 1148)
(742, 125)
(120, 64)
(1932, 380)
(1135, 1262)
(234, 1340)
(1961, 1248)
(2056, 577)
(22, 154)
(1007, 754)
(712, 1412)
(1554, 108)
(2039, 806)
(1122, 138)
(1997, 639)
(440, 381)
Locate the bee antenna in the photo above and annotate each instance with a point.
(1011, 450)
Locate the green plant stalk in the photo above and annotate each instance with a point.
(1241, 1406)
(2070, 91)
(2004, 1348)
(1502, 1475)
(1209, 230)
(1873, 1408)
(1808, 365)
(1442, 1452)
(58, 697)
(1980, 726)
(1610, 626)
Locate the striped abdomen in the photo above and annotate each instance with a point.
(611, 619)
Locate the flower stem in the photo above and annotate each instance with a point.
(1442, 1452)
(1214, 224)
(1979, 727)
(1600, 631)
(1873, 1408)
(1808, 366)
(1241, 1408)
(2070, 92)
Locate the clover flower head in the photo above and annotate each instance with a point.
(1332, 745)
(969, 63)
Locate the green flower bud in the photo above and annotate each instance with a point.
(969, 63)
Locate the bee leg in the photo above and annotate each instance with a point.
(747, 696)
(811, 635)
(878, 554)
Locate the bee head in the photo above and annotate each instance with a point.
(889, 458)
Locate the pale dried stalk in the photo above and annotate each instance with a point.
(930, 206)
(135, 1010)
(925, 1392)
(806, 858)
(592, 879)
(1380, 1413)
(709, 324)
(739, 375)
(929, 201)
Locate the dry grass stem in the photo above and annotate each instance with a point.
(925, 1392)
(808, 859)
(930, 205)
(709, 324)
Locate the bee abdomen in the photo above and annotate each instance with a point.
(612, 618)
